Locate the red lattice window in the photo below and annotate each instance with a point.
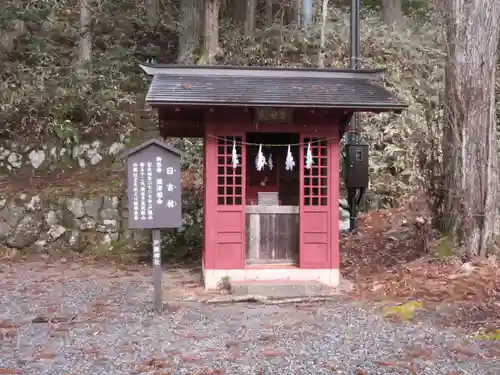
(316, 178)
(229, 179)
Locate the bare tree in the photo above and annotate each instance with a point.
(189, 30)
(152, 7)
(211, 32)
(289, 11)
(393, 13)
(324, 18)
(307, 14)
(470, 139)
(295, 8)
(237, 12)
(268, 9)
(85, 44)
(251, 8)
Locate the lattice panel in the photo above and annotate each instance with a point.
(316, 178)
(229, 179)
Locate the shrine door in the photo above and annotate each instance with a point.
(226, 183)
(315, 205)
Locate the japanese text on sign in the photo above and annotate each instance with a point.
(158, 164)
(156, 252)
(135, 191)
(143, 189)
(150, 190)
(159, 185)
(142, 185)
(170, 187)
(171, 203)
(154, 186)
(159, 191)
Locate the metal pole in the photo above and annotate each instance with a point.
(355, 34)
(355, 50)
(353, 136)
(157, 271)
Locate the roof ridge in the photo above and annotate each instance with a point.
(234, 71)
(344, 92)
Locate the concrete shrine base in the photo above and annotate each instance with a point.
(277, 275)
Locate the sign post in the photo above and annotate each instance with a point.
(154, 197)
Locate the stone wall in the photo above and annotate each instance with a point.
(78, 224)
(92, 217)
(15, 156)
(62, 224)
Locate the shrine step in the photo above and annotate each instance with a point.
(279, 288)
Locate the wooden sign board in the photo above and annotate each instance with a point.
(154, 186)
(154, 197)
(271, 115)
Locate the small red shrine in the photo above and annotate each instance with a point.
(272, 160)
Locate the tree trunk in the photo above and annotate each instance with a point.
(269, 15)
(85, 46)
(250, 18)
(393, 13)
(470, 139)
(324, 17)
(296, 6)
(307, 13)
(237, 12)
(439, 5)
(211, 35)
(152, 11)
(189, 30)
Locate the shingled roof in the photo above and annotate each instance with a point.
(250, 86)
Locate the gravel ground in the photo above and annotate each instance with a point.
(105, 325)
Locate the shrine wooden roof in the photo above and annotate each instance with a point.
(257, 86)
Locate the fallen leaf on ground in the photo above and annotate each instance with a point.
(46, 355)
(271, 353)
(157, 363)
(8, 325)
(421, 353)
(189, 358)
(405, 311)
(332, 368)
(385, 363)
(215, 371)
(5, 371)
(396, 254)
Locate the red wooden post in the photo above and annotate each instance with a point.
(226, 217)
(210, 205)
(334, 195)
(315, 218)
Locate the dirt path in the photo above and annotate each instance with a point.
(87, 319)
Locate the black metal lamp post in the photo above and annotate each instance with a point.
(356, 152)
